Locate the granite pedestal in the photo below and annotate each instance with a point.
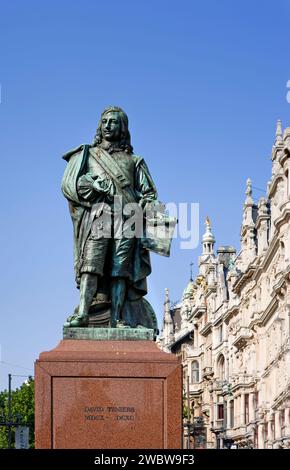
(108, 394)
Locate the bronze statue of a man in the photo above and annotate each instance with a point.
(111, 271)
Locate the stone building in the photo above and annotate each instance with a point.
(231, 327)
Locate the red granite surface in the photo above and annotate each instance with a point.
(108, 395)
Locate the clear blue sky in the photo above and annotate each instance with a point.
(203, 84)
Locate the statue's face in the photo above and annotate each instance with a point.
(111, 127)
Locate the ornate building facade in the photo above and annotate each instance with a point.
(231, 328)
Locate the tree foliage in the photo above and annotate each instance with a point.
(22, 410)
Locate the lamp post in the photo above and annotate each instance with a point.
(9, 411)
(188, 412)
(218, 434)
(197, 430)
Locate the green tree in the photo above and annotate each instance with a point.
(22, 408)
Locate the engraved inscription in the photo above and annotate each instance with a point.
(102, 413)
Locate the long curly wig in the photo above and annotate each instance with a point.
(125, 141)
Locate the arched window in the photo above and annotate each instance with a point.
(194, 372)
(221, 367)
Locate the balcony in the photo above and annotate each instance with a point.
(198, 311)
(242, 336)
(219, 424)
(239, 380)
(218, 385)
(196, 387)
(207, 372)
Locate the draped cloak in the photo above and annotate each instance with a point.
(83, 213)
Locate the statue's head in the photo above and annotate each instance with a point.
(113, 127)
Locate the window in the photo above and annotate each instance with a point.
(246, 408)
(221, 367)
(282, 423)
(192, 339)
(195, 372)
(220, 333)
(220, 411)
(196, 337)
(256, 441)
(265, 432)
(256, 403)
(232, 411)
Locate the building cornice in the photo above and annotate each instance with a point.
(181, 336)
(244, 278)
(234, 310)
(235, 387)
(284, 156)
(284, 217)
(274, 183)
(266, 260)
(266, 315)
(206, 329)
(277, 148)
(198, 311)
(282, 397)
(284, 349)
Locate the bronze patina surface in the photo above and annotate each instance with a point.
(110, 192)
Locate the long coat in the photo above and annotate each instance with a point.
(83, 213)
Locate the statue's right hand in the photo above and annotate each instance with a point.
(85, 182)
(103, 184)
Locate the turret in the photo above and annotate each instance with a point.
(262, 226)
(248, 244)
(208, 241)
(168, 332)
(278, 186)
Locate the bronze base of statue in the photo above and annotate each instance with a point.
(122, 333)
(134, 315)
